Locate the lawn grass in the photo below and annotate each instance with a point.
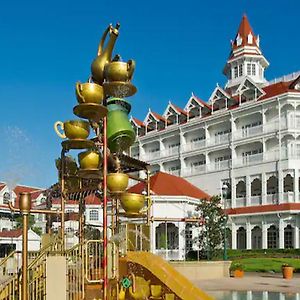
(268, 264)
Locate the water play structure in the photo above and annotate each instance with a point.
(118, 265)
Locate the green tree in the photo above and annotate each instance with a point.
(31, 223)
(162, 241)
(211, 235)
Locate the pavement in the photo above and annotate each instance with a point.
(272, 282)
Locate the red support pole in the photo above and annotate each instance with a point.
(105, 279)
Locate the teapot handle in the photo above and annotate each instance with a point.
(56, 126)
(100, 47)
(130, 68)
(78, 92)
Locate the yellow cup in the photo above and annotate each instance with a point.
(73, 129)
(89, 160)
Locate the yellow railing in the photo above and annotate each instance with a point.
(9, 290)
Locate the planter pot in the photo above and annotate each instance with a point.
(238, 273)
(287, 272)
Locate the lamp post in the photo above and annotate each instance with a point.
(224, 198)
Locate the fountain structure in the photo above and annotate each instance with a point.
(119, 265)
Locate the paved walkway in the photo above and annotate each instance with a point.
(252, 282)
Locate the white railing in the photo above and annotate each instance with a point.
(171, 151)
(151, 155)
(247, 132)
(240, 202)
(219, 139)
(220, 165)
(256, 200)
(194, 170)
(256, 158)
(272, 198)
(194, 145)
(169, 254)
(288, 197)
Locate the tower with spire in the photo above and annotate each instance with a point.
(246, 59)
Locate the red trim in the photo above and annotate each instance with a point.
(263, 208)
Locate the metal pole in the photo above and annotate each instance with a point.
(225, 231)
(105, 279)
(62, 203)
(25, 206)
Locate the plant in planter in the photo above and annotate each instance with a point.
(237, 270)
(287, 271)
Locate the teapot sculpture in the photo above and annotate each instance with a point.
(104, 55)
(118, 70)
(141, 290)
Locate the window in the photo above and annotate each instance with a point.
(235, 72)
(6, 198)
(253, 70)
(240, 70)
(197, 163)
(94, 215)
(248, 69)
(225, 157)
(197, 139)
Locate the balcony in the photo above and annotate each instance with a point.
(151, 156)
(219, 139)
(248, 132)
(170, 151)
(288, 197)
(255, 200)
(194, 145)
(174, 172)
(219, 165)
(256, 158)
(240, 201)
(272, 199)
(194, 170)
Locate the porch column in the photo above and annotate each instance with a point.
(296, 233)
(233, 192)
(161, 147)
(248, 236)
(280, 187)
(264, 236)
(281, 234)
(141, 151)
(153, 237)
(263, 189)
(181, 242)
(233, 236)
(248, 191)
(296, 185)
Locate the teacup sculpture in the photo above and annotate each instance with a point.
(89, 160)
(89, 92)
(142, 289)
(73, 129)
(132, 203)
(117, 182)
(156, 291)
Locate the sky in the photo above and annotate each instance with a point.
(179, 47)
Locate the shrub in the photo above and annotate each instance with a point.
(237, 266)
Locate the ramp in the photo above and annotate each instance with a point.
(167, 275)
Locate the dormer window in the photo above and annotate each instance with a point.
(240, 70)
(250, 38)
(239, 40)
(253, 69)
(6, 198)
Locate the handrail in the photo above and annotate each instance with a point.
(6, 258)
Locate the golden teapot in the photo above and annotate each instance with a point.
(89, 92)
(118, 70)
(141, 290)
(104, 55)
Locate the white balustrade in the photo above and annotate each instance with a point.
(240, 202)
(288, 197)
(194, 145)
(255, 200)
(272, 199)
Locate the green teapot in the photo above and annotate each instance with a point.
(120, 133)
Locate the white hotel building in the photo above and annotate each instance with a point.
(246, 135)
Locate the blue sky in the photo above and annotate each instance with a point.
(179, 47)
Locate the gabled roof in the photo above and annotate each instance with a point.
(14, 233)
(278, 89)
(155, 116)
(137, 122)
(199, 101)
(295, 82)
(244, 83)
(218, 90)
(164, 184)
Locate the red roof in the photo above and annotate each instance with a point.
(277, 89)
(158, 117)
(11, 233)
(180, 110)
(92, 199)
(263, 208)
(138, 122)
(243, 32)
(164, 184)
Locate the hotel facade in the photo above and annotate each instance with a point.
(245, 137)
